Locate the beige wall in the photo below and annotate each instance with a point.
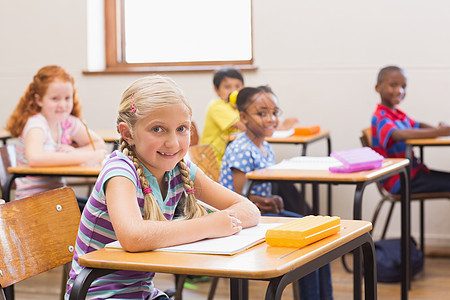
(320, 57)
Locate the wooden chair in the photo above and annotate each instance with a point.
(38, 234)
(203, 156)
(386, 197)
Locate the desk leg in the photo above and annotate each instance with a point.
(304, 146)
(9, 292)
(238, 289)
(329, 145)
(84, 280)
(370, 269)
(406, 231)
(6, 189)
(315, 200)
(329, 197)
(357, 268)
(363, 242)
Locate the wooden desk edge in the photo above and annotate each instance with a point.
(292, 139)
(60, 171)
(299, 139)
(428, 142)
(324, 246)
(325, 175)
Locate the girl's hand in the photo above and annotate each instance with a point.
(96, 157)
(65, 148)
(444, 129)
(288, 124)
(225, 224)
(273, 204)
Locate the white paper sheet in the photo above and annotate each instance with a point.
(283, 133)
(307, 163)
(229, 245)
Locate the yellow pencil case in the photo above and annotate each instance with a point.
(303, 231)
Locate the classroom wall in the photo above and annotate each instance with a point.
(320, 57)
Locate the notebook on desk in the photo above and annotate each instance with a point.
(229, 245)
(283, 133)
(307, 163)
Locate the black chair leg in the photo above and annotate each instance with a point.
(377, 212)
(212, 289)
(179, 284)
(422, 226)
(388, 220)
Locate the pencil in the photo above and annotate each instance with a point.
(207, 206)
(89, 135)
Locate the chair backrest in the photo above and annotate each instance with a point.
(204, 157)
(366, 138)
(194, 134)
(38, 233)
(366, 141)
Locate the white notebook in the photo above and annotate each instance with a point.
(283, 133)
(307, 163)
(229, 245)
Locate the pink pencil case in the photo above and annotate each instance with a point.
(355, 160)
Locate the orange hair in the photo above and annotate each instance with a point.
(27, 105)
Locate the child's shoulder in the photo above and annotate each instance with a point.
(118, 159)
(392, 113)
(241, 143)
(37, 120)
(37, 117)
(219, 105)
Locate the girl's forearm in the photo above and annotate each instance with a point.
(51, 159)
(421, 133)
(150, 235)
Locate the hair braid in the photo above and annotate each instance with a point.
(151, 207)
(192, 208)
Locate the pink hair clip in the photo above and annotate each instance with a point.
(147, 190)
(191, 191)
(133, 105)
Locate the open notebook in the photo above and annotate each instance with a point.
(229, 245)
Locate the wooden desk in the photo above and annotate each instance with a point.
(281, 266)
(66, 171)
(422, 143)
(108, 135)
(4, 135)
(303, 140)
(390, 167)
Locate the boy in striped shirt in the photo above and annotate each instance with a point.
(391, 127)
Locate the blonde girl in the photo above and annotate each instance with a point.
(149, 183)
(47, 122)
